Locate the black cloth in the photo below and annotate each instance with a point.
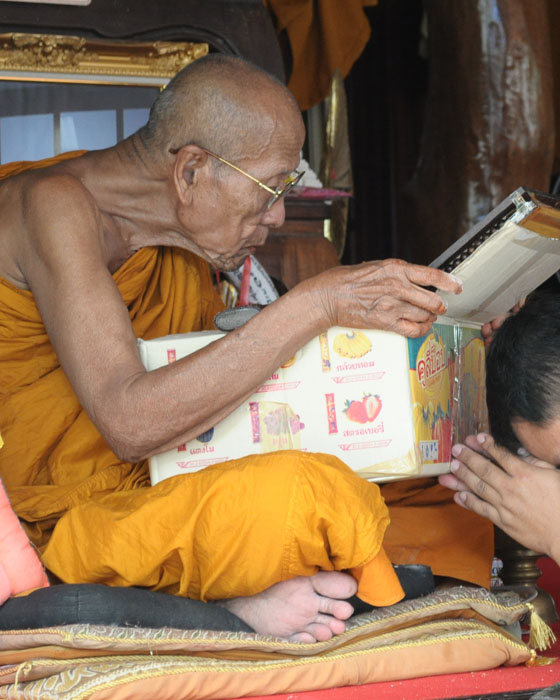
(96, 604)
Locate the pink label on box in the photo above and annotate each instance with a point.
(357, 364)
(255, 423)
(197, 463)
(364, 445)
(373, 430)
(325, 354)
(331, 414)
(277, 387)
(358, 377)
(171, 356)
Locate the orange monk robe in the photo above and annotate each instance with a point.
(232, 529)
(324, 35)
(427, 527)
(54, 457)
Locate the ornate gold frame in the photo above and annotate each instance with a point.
(73, 59)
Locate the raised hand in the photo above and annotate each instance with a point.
(388, 295)
(520, 495)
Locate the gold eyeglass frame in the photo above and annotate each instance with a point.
(281, 191)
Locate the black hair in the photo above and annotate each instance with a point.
(523, 369)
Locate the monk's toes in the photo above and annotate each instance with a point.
(314, 632)
(302, 638)
(335, 625)
(340, 609)
(334, 584)
(321, 629)
(324, 627)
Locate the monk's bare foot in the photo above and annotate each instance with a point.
(303, 609)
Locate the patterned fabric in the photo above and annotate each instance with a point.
(447, 632)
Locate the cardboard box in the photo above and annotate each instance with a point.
(388, 406)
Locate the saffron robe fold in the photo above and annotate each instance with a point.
(232, 529)
(324, 36)
(53, 457)
(54, 462)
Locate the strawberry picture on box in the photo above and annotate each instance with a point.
(365, 410)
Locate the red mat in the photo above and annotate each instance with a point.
(499, 680)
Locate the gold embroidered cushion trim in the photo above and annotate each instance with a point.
(455, 631)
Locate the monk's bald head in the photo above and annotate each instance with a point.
(221, 103)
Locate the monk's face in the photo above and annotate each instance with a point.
(231, 219)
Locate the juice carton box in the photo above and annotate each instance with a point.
(388, 406)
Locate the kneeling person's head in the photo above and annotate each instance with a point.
(523, 380)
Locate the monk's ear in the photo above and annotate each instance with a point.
(188, 161)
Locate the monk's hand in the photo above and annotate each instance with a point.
(517, 494)
(387, 295)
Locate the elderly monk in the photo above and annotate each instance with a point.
(117, 244)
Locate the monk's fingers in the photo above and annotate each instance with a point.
(396, 281)
(387, 308)
(432, 277)
(411, 329)
(380, 294)
(416, 314)
(387, 295)
(408, 320)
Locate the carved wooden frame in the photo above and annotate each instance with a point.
(73, 59)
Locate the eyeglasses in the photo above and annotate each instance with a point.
(281, 191)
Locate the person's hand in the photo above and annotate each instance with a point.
(519, 495)
(489, 329)
(387, 295)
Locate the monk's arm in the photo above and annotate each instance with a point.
(141, 413)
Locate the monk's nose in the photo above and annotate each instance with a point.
(276, 215)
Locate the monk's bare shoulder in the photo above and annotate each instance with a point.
(53, 219)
